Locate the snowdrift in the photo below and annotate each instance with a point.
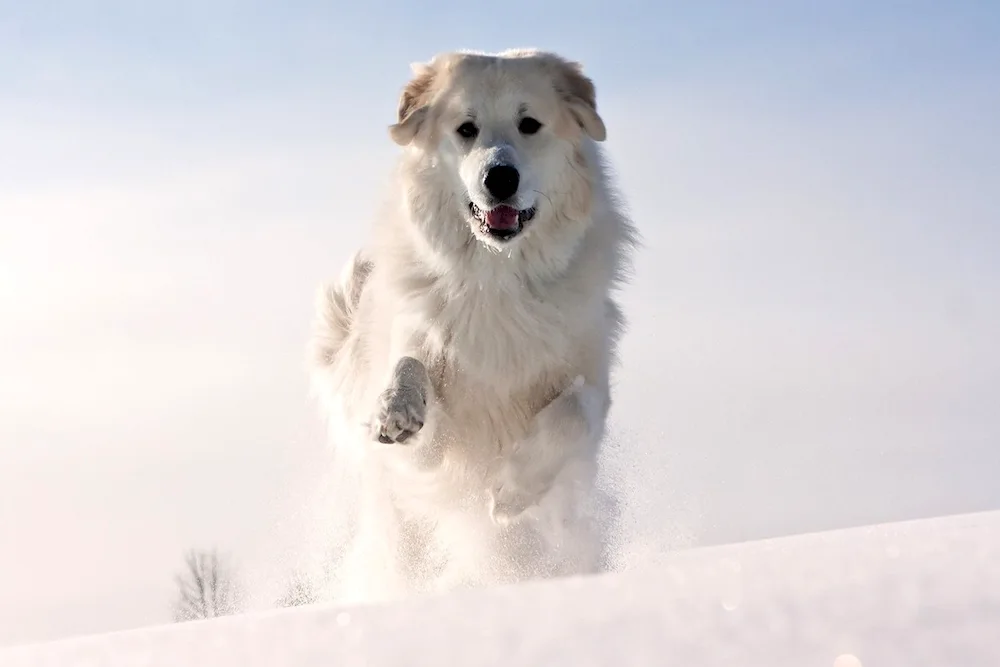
(907, 594)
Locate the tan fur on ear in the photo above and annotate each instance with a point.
(579, 93)
(413, 103)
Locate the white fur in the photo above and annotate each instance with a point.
(496, 355)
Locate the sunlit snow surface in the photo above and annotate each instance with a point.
(902, 595)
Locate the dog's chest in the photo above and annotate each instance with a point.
(506, 339)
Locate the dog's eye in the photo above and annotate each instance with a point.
(529, 125)
(468, 131)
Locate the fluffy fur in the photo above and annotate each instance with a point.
(468, 376)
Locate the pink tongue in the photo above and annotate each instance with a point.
(502, 217)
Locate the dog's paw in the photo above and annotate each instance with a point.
(509, 501)
(507, 506)
(400, 414)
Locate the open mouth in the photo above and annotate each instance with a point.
(502, 222)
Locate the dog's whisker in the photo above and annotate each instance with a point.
(576, 170)
(548, 198)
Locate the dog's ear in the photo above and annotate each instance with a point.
(579, 94)
(414, 103)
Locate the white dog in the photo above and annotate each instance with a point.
(465, 354)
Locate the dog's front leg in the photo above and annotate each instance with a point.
(568, 428)
(402, 406)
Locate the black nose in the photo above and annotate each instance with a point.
(502, 182)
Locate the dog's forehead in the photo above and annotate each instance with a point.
(484, 81)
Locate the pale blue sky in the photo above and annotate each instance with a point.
(814, 314)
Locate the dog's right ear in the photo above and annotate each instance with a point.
(414, 103)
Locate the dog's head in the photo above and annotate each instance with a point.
(504, 133)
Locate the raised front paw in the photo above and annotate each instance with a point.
(400, 414)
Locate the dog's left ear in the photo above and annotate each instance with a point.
(414, 103)
(579, 94)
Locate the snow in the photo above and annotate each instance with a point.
(917, 593)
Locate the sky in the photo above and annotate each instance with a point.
(813, 314)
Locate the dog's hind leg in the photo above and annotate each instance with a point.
(335, 306)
